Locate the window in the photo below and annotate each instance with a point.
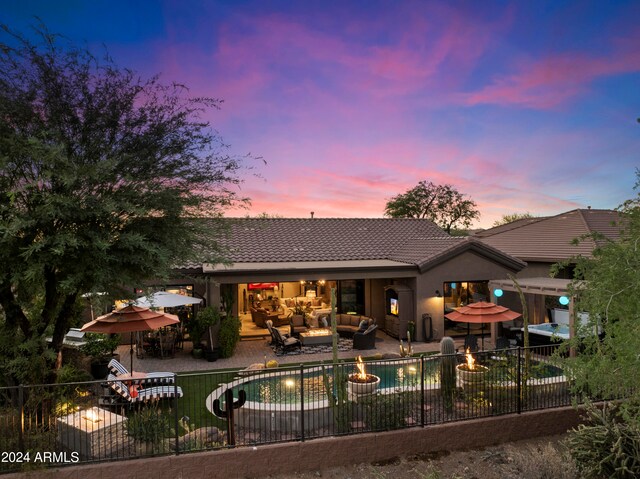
(351, 296)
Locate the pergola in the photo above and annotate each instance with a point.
(536, 289)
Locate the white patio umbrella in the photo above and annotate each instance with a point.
(162, 299)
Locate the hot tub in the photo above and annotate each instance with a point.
(547, 333)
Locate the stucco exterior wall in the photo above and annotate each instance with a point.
(467, 266)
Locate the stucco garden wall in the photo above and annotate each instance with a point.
(328, 452)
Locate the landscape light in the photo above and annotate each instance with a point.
(564, 300)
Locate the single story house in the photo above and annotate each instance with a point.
(394, 270)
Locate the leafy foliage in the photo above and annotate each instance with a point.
(510, 218)
(607, 361)
(104, 181)
(100, 346)
(442, 204)
(608, 288)
(229, 335)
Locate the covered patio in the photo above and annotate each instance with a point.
(535, 290)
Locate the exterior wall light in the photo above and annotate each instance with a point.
(438, 295)
(563, 300)
(498, 292)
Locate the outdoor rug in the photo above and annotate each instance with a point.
(344, 344)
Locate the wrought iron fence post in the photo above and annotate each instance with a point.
(302, 402)
(519, 381)
(21, 405)
(177, 420)
(422, 390)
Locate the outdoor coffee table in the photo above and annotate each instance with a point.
(316, 336)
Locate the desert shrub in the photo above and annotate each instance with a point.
(151, 425)
(543, 462)
(607, 445)
(229, 335)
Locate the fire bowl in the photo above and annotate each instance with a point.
(357, 385)
(471, 375)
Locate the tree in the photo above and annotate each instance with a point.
(104, 179)
(442, 204)
(608, 287)
(606, 364)
(510, 218)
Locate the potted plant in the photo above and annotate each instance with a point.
(101, 348)
(195, 334)
(209, 319)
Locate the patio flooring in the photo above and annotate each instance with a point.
(250, 351)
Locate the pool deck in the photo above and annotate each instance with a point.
(251, 351)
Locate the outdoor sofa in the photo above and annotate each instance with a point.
(348, 324)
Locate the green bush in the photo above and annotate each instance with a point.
(100, 346)
(150, 425)
(229, 335)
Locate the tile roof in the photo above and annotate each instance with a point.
(325, 239)
(289, 240)
(550, 239)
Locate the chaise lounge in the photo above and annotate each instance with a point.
(162, 377)
(132, 394)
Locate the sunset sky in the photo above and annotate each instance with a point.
(523, 106)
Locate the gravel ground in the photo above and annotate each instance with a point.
(528, 459)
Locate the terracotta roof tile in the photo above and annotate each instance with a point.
(551, 239)
(284, 240)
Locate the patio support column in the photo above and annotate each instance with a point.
(572, 326)
(493, 327)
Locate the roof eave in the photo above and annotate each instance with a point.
(478, 247)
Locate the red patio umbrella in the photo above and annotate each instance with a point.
(129, 320)
(482, 312)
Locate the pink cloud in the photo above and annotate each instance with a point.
(551, 82)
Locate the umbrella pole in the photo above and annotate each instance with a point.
(131, 350)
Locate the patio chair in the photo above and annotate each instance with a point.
(133, 394)
(365, 339)
(502, 343)
(283, 343)
(471, 343)
(168, 344)
(162, 377)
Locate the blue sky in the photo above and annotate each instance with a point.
(523, 106)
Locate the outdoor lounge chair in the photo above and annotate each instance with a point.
(133, 394)
(162, 377)
(283, 343)
(365, 339)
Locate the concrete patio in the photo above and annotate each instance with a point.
(258, 350)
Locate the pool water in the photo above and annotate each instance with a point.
(401, 376)
(285, 389)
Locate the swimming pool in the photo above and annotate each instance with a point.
(286, 387)
(287, 400)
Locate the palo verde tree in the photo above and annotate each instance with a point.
(104, 180)
(442, 204)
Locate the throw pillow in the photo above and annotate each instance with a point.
(370, 328)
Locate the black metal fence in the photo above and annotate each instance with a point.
(71, 423)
